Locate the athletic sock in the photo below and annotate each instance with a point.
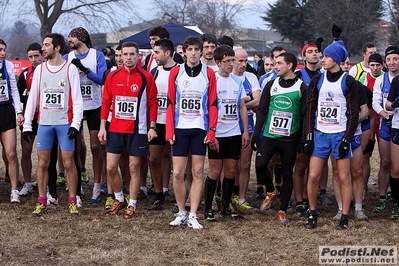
(358, 206)
(165, 189)
(340, 206)
(394, 183)
(144, 189)
(209, 188)
(133, 203)
(241, 201)
(323, 191)
(227, 186)
(71, 199)
(42, 200)
(236, 190)
(160, 196)
(119, 196)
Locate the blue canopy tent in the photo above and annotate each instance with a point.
(177, 35)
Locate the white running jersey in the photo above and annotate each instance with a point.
(91, 91)
(332, 105)
(230, 91)
(161, 80)
(191, 96)
(250, 83)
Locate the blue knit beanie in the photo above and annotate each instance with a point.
(337, 52)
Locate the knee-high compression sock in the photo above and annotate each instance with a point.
(394, 182)
(210, 187)
(228, 184)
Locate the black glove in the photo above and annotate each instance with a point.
(255, 142)
(309, 145)
(72, 133)
(370, 147)
(343, 149)
(388, 120)
(301, 148)
(27, 136)
(336, 31)
(79, 65)
(395, 104)
(318, 43)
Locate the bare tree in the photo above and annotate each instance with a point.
(212, 16)
(393, 7)
(95, 13)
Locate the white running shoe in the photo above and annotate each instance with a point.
(51, 200)
(371, 181)
(79, 202)
(26, 189)
(193, 223)
(181, 219)
(14, 197)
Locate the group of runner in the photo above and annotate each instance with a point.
(204, 103)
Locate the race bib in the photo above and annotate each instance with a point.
(280, 123)
(4, 95)
(229, 109)
(162, 103)
(86, 88)
(190, 104)
(126, 107)
(53, 99)
(329, 113)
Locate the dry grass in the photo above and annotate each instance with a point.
(93, 239)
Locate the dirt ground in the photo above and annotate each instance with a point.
(93, 239)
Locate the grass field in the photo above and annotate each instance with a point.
(93, 239)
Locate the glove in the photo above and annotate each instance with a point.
(254, 142)
(395, 104)
(27, 136)
(336, 31)
(301, 148)
(72, 133)
(318, 43)
(79, 65)
(370, 147)
(309, 145)
(343, 149)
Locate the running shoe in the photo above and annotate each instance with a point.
(324, 200)
(230, 213)
(26, 189)
(61, 180)
(79, 202)
(360, 215)
(389, 195)
(116, 207)
(14, 196)
(151, 190)
(129, 213)
(84, 177)
(181, 219)
(282, 217)
(371, 181)
(245, 207)
(34, 183)
(343, 224)
(141, 195)
(395, 211)
(175, 208)
(73, 208)
(301, 210)
(337, 217)
(312, 222)
(40, 209)
(382, 204)
(209, 216)
(268, 200)
(234, 200)
(156, 205)
(127, 197)
(95, 200)
(193, 223)
(260, 193)
(109, 202)
(104, 189)
(51, 200)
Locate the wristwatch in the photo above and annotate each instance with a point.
(154, 128)
(213, 129)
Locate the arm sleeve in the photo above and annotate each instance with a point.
(170, 111)
(212, 99)
(152, 100)
(362, 94)
(101, 68)
(393, 91)
(377, 95)
(311, 105)
(76, 96)
(33, 99)
(352, 108)
(263, 109)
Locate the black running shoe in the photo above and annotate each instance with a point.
(209, 216)
(312, 222)
(343, 224)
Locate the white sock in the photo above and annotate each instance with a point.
(119, 196)
(192, 215)
(144, 189)
(165, 189)
(241, 201)
(183, 213)
(340, 206)
(358, 206)
(389, 189)
(97, 187)
(133, 203)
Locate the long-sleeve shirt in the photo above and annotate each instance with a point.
(13, 84)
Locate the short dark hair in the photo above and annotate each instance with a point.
(57, 40)
(222, 51)
(34, 47)
(3, 42)
(209, 38)
(130, 44)
(289, 58)
(159, 31)
(367, 45)
(119, 47)
(274, 49)
(166, 45)
(191, 40)
(260, 55)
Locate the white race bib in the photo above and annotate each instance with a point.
(53, 99)
(329, 113)
(190, 104)
(125, 107)
(229, 109)
(86, 88)
(280, 123)
(4, 95)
